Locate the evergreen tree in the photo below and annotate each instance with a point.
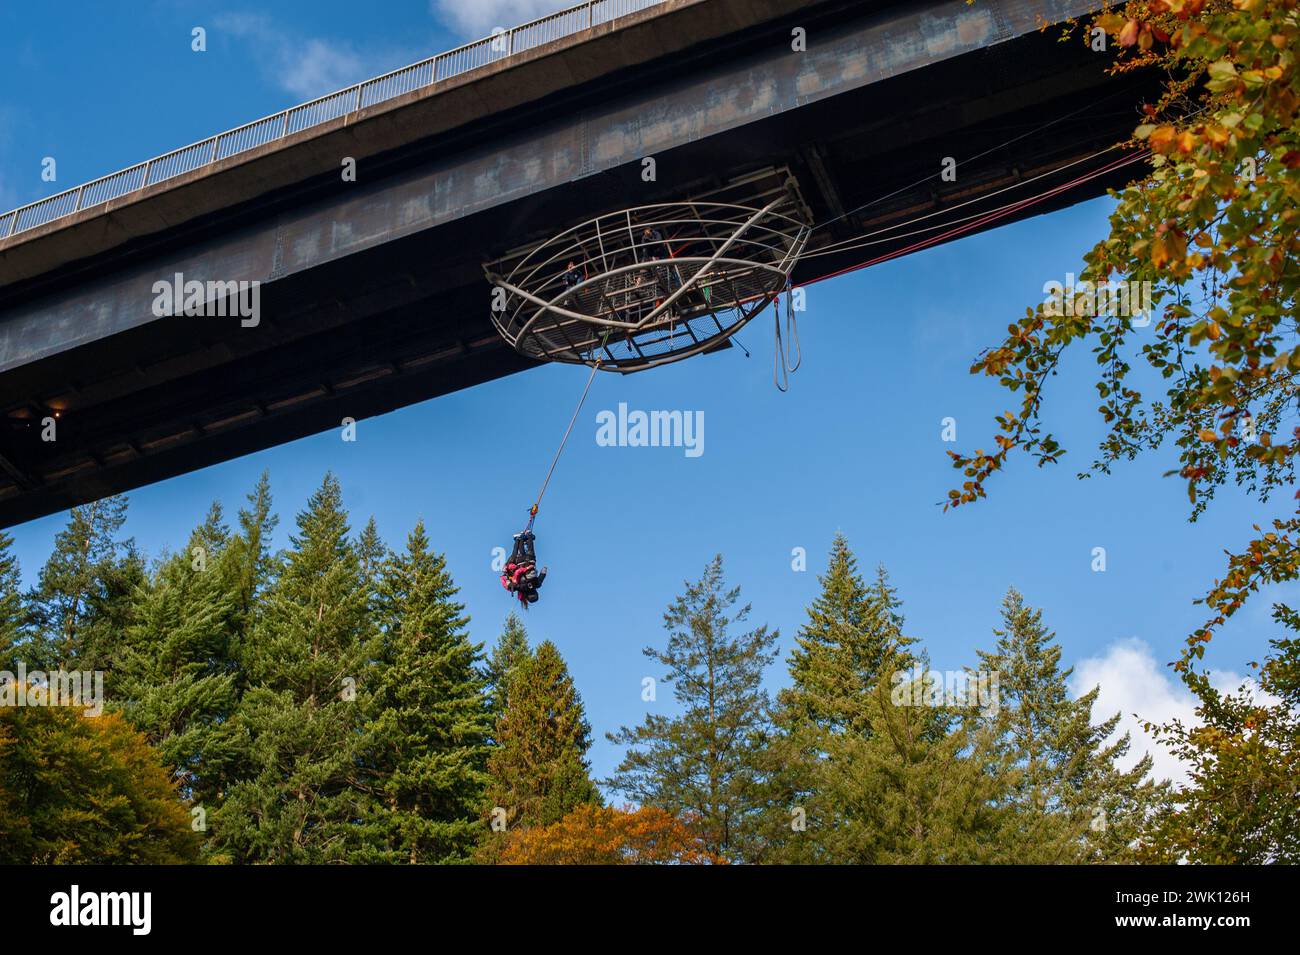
(371, 552)
(82, 599)
(12, 620)
(306, 664)
(921, 785)
(429, 715)
(851, 628)
(704, 761)
(246, 569)
(248, 565)
(511, 649)
(173, 673)
(211, 537)
(539, 769)
(1075, 804)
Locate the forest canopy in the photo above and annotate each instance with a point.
(326, 703)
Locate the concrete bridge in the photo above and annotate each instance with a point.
(370, 293)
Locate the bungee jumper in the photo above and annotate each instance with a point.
(521, 576)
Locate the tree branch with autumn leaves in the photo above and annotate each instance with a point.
(1213, 228)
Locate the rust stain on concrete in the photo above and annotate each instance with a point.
(976, 29)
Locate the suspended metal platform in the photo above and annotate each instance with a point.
(653, 284)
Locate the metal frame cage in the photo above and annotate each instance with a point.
(653, 284)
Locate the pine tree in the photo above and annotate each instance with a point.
(82, 599)
(921, 785)
(371, 552)
(429, 713)
(539, 769)
(248, 565)
(704, 761)
(212, 537)
(12, 630)
(306, 664)
(173, 674)
(1075, 804)
(246, 569)
(511, 649)
(851, 628)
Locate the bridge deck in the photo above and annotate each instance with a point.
(372, 293)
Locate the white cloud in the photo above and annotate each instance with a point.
(478, 18)
(317, 67)
(255, 25)
(305, 67)
(1132, 682)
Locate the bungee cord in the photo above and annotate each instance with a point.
(532, 511)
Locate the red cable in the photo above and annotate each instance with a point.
(990, 217)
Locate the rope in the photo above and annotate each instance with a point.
(532, 511)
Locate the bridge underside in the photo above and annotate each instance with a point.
(405, 317)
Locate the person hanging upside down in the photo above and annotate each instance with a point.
(521, 576)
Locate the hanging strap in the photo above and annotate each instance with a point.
(792, 326)
(782, 366)
(780, 371)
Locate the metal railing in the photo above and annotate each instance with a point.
(436, 69)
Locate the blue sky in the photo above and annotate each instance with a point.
(854, 446)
